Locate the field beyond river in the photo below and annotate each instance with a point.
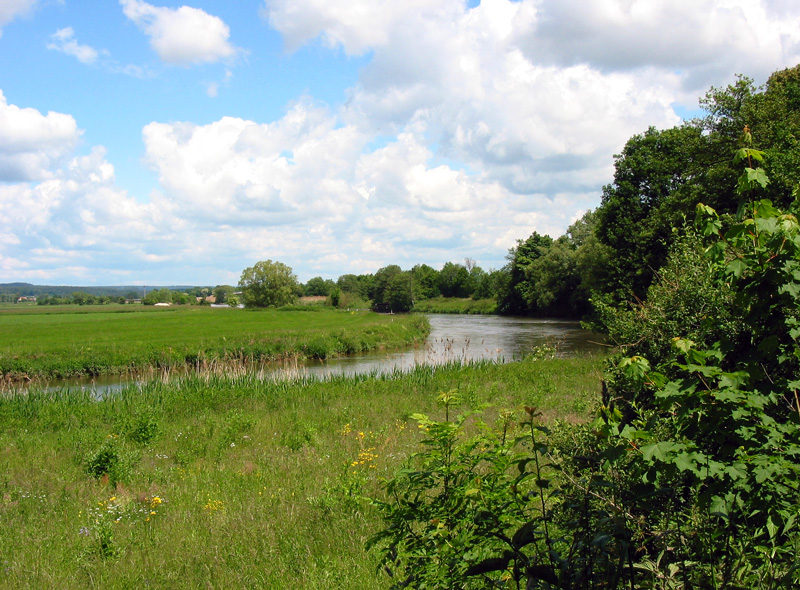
(46, 343)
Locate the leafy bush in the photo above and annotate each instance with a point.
(110, 462)
(693, 481)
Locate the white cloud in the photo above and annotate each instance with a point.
(32, 143)
(701, 38)
(468, 129)
(11, 9)
(182, 36)
(355, 26)
(64, 40)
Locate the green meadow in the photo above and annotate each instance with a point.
(76, 341)
(456, 305)
(233, 481)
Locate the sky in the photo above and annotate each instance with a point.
(178, 144)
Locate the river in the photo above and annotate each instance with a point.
(470, 338)
(452, 337)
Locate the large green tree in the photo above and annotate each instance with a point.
(382, 278)
(223, 292)
(268, 284)
(514, 299)
(319, 287)
(398, 292)
(661, 175)
(425, 282)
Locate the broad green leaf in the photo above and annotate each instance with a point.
(719, 506)
(758, 175)
(659, 450)
(737, 267)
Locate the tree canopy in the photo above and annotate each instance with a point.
(268, 284)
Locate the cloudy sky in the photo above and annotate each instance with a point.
(168, 144)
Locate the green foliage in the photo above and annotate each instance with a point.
(690, 476)
(223, 293)
(661, 175)
(425, 282)
(500, 509)
(549, 277)
(318, 287)
(111, 462)
(398, 292)
(381, 281)
(268, 284)
(142, 428)
(455, 281)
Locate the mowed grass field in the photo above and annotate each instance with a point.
(74, 341)
(234, 481)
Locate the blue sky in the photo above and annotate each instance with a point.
(170, 143)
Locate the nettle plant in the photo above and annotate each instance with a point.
(720, 443)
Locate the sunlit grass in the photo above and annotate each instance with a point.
(68, 342)
(260, 482)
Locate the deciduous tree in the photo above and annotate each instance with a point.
(268, 284)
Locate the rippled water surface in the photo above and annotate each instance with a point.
(473, 337)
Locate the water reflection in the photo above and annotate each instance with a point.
(470, 338)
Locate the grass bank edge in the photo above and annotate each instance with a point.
(71, 344)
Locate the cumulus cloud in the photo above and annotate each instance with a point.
(538, 94)
(708, 35)
(182, 36)
(78, 222)
(11, 9)
(63, 40)
(468, 128)
(355, 26)
(32, 143)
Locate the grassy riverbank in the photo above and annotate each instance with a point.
(231, 482)
(74, 341)
(456, 305)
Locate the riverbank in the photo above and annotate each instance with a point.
(456, 305)
(70, 342)
(233, 481)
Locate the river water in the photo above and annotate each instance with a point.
(470, 338)
(452, 338)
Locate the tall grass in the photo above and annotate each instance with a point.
(230, 481)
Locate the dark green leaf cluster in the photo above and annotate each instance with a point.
(690, 476)
(661, 175)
